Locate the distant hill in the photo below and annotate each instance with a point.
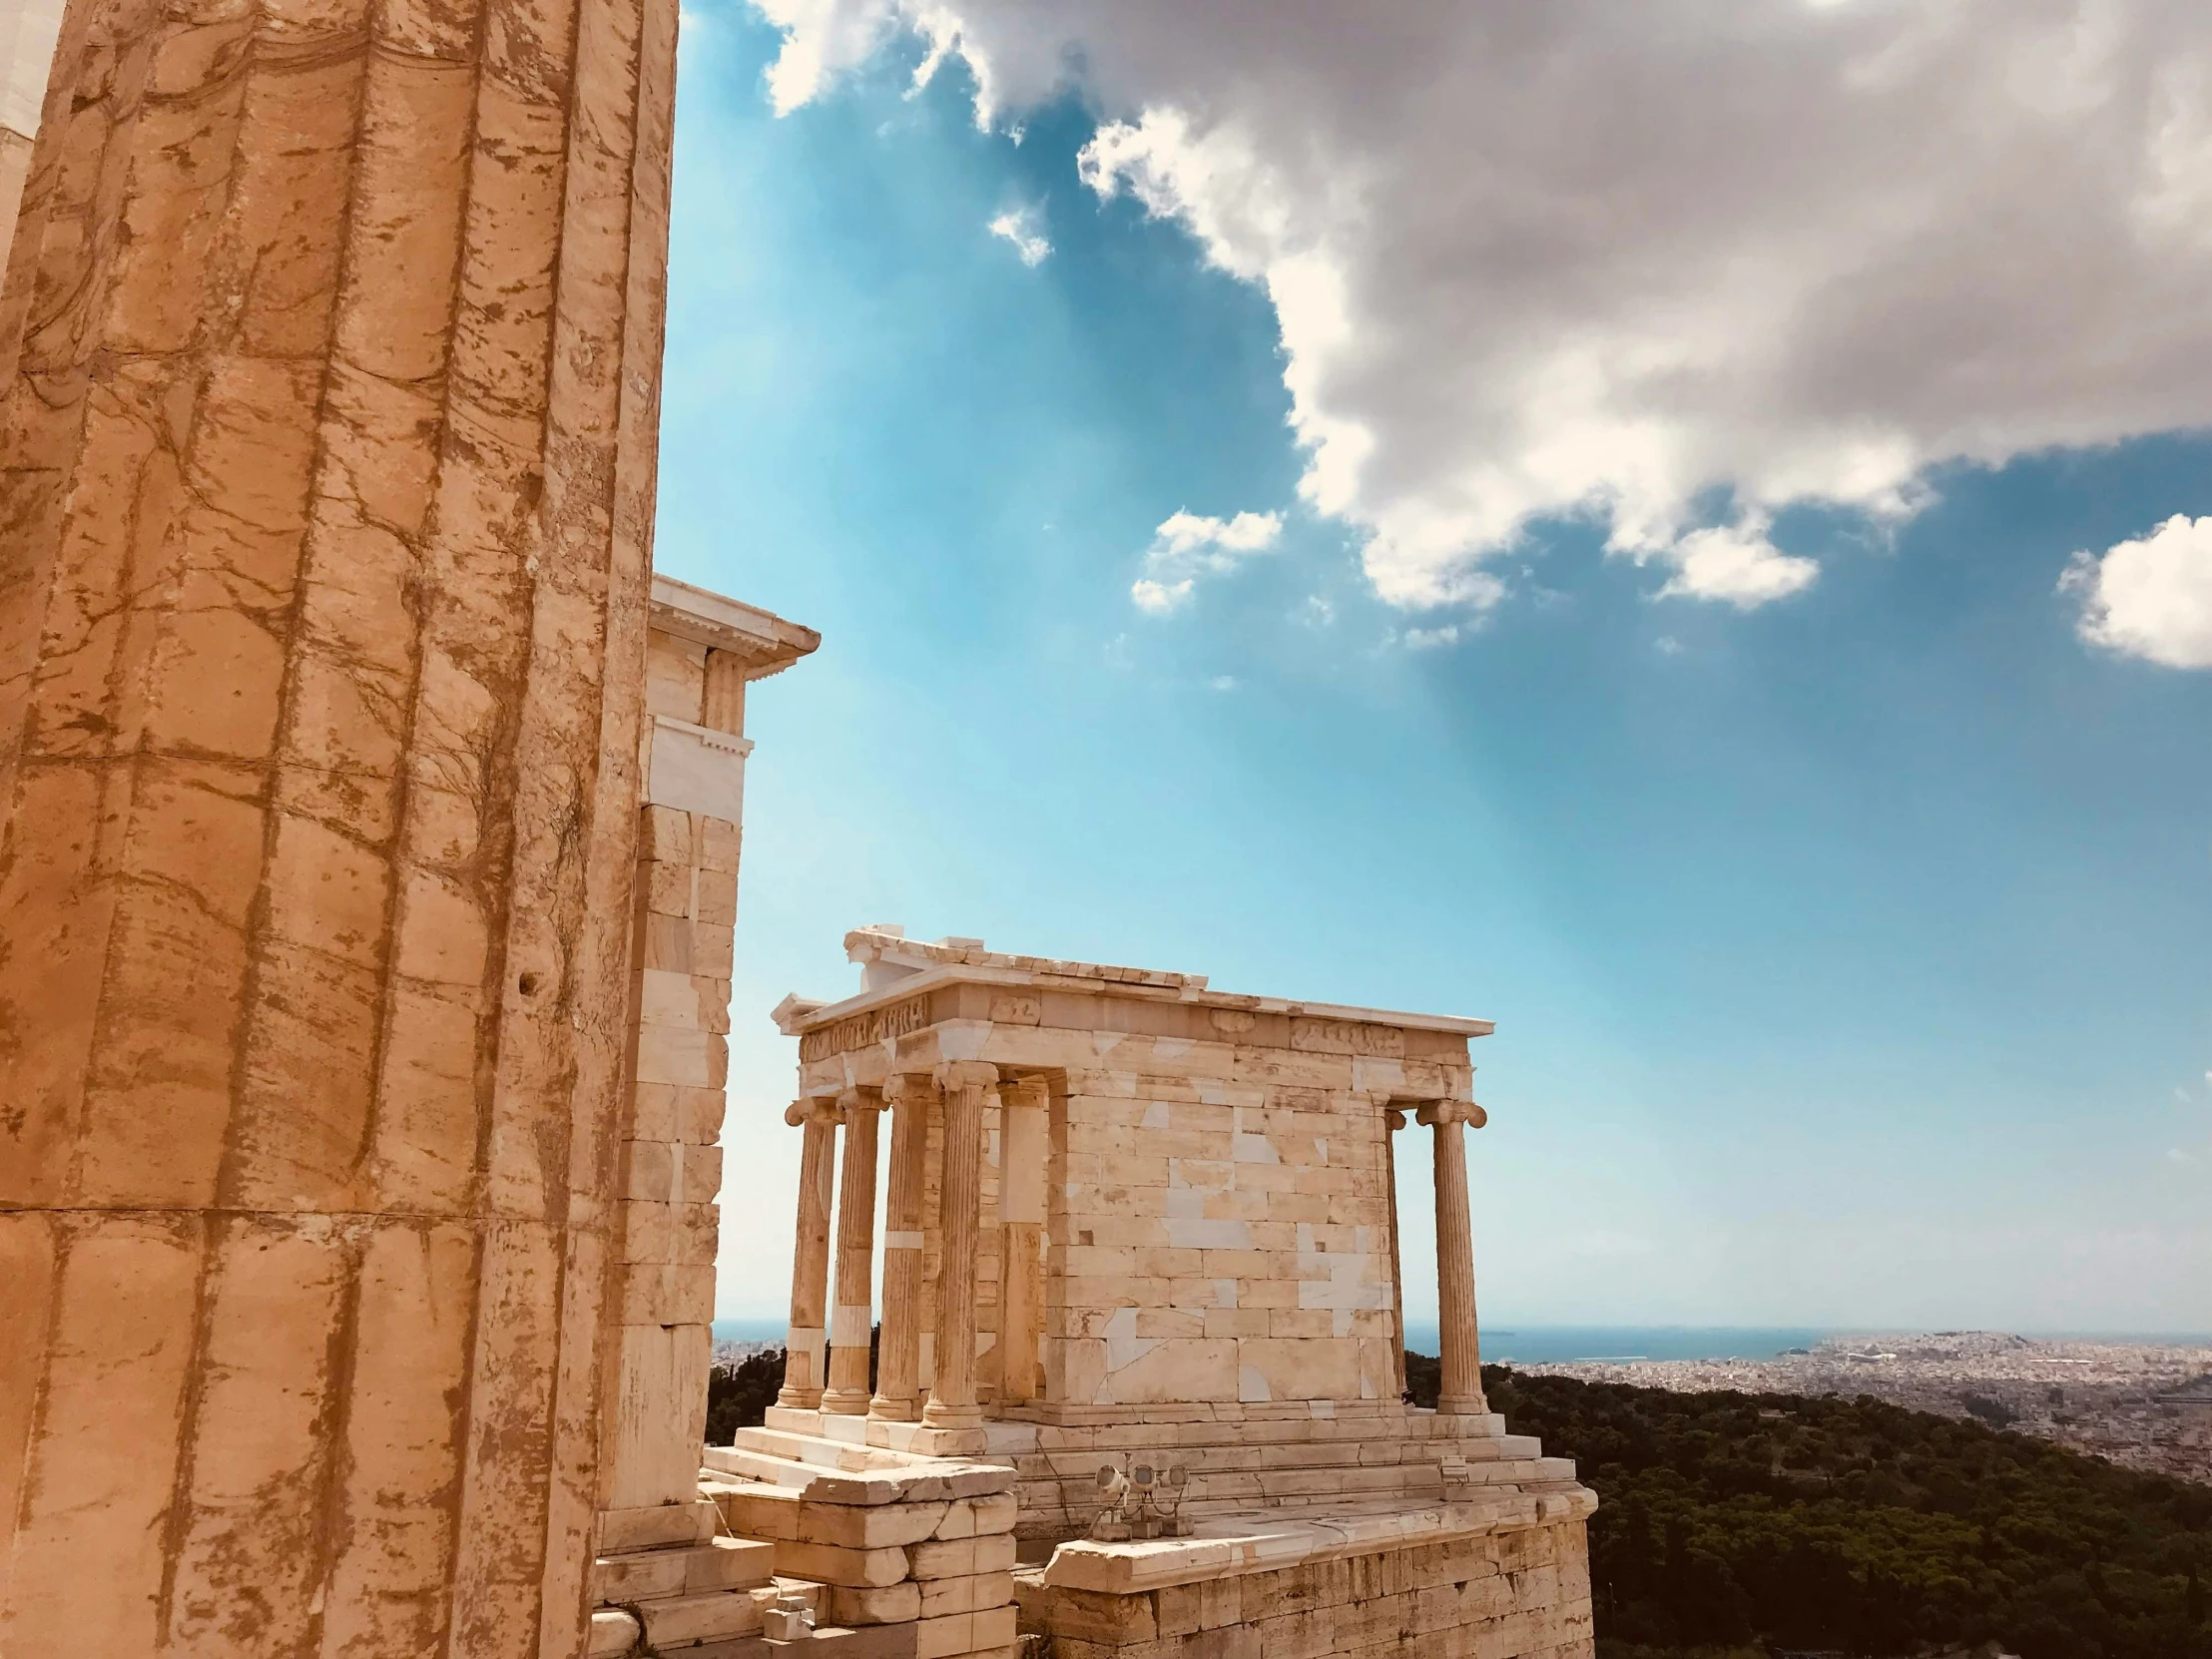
(1774, 1521)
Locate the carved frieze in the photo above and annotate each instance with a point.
(1344, 1036)
(864, 1029)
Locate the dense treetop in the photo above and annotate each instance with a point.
(1858, 1526)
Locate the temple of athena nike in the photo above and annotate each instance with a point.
(1140, 1254)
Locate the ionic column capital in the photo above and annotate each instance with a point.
(966, 1074)
(820, 1108)
(1438, 1113)
(903, 1086)
(861, 1099)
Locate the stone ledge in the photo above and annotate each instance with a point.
(1227, 1545)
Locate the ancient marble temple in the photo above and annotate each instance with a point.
(1140, 1249)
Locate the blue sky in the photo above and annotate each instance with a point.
(1848, 952)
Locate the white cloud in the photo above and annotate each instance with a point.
(1187, 545)
(1737, 563)
(1023, 227)
(1668, 645)
(2151, 597)
(1159, 597)
(1217, 542)
(1222, 683)
(1670, 267)
(1429, 638)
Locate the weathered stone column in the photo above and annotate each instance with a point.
(804, 1376)
(1461, 1393)
(328, 395)
(1393, 1121)
(855, 1309)
(952, 1404)
(899, 1355)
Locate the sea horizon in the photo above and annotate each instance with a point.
(1544, 1345)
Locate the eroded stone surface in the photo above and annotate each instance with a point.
(328, 380)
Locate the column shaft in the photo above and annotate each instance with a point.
(853, 1312)
(898, 1360)
(1392, 1122)
(1462, 1356)
(952, 1390)
(329, 379)
(804, 1377)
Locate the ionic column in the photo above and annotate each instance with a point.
(952, 1390)
(802, 1353)
(898, 1362)
(1461, 1393)
(1393, 1121)
(854, 1311)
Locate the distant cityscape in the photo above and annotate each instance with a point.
(2144, 1405)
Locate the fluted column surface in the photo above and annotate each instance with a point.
(852, 1313)
(804, 1348)
(952, 1403)
(328, 390)
(898, 1354)
(1461, 1391)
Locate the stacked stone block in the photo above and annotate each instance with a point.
(1523, 1593)
(916, 1553)
(672, 1158)
(1218, 1240)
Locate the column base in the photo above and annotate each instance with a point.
(1463, 1406)
(938, 1415)
(885, 1409)
(915, 1437)
(844, 1402)
(798, 1399)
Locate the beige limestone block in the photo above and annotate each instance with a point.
(612, 1632)
(831, 1564)
(402, 1449)
(698, 1229)
(96, 1465)
(717, 843)
(727, 1565)
(259, 1450)
(900, 1603)
(699, 1115)
(684, 1621)
(659, 1415)
(660, 1526)
(698, 1172)
(960, 1557)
